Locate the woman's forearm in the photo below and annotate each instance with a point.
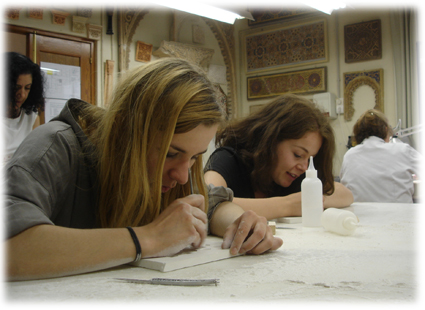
(273, 207)
(46, 251)
(225, 214)
(342, 197)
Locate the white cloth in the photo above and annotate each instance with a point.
(15, 131)
(376, 171)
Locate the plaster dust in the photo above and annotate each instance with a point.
(377, 264)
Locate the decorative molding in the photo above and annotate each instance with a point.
(222, 98)
(276, 47)
(223, 33)
(143, 51)
(35, 13)
(198, 35)
(94, 32)
(13, 13)
(307, 81)
(278, 14)
(109, 81)
(199, 56)
(84, 12)
(354, 80)
(128, 21)
(363, 41)
(59, 17)
(79, 24)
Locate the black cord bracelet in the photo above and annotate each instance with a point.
(136, 243)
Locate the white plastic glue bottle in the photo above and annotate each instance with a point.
(311, 197)
(339, 221)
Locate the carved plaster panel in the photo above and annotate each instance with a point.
(199, 56)
(59, 17)
(94, 31)
(79, 24)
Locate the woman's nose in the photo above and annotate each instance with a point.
(21, 93)
(181, 173)
(303, 165)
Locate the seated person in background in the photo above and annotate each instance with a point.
(375, 170)
(78, 184)
(24, 99)
(263, 158)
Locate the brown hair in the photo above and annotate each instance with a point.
(257, 136)
(150, 104)
(371, 123)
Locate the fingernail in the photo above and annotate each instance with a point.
(226, 244)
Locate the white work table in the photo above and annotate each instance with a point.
(377, 264)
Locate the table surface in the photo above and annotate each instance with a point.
(378, 263)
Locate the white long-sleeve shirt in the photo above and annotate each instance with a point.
(376, 171)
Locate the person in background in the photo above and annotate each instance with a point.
(96, 188)
(263, 158)
(376, 170)
(24, 100)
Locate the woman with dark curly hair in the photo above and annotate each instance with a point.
(25, 99)
(263, 158)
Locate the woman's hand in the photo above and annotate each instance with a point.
(183, 223)
(250, 234)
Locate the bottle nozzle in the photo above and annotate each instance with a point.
(311, 172)
(311, 164)
(350, 223)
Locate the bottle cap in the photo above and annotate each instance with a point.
(311, 172)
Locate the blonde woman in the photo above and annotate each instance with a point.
(104, 188)
(376, 170)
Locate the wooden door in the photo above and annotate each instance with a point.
(61, 49)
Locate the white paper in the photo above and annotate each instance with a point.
(52, 108)
(62, 81)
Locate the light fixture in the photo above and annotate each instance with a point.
(206, 10)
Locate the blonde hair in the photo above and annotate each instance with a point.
(371, 123)
(150, 104)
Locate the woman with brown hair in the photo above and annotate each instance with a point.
(105, 187)
(376, 170)
(263, 157)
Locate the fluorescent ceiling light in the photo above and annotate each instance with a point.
(203, 9)
(48, 69)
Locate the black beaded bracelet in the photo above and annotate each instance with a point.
(136, 243)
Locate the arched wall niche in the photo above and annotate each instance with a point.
(128, 21)
(353, 81)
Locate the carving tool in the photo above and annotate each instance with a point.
(190, 181)
(173, 282)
